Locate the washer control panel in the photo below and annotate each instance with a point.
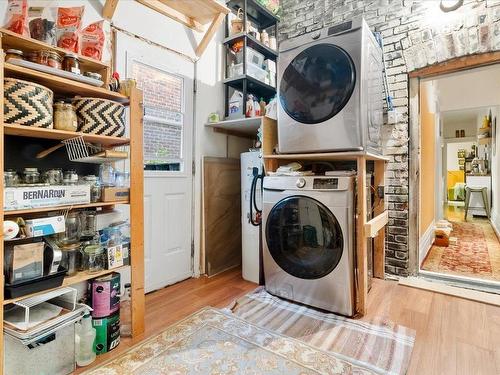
(301, 182)
(326, 183)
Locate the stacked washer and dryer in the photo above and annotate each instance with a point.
(330, 98)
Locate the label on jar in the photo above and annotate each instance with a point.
(75, 70)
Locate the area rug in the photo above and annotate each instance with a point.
(380, 345)
(475, 252)
(213, 342)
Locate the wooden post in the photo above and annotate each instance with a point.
(379, 241)
(2, 141)
(109, 9)
(137, 211)
(361, 251)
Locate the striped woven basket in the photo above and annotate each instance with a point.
(27, 103)
(100, 116)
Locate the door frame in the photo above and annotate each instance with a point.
(415, 78)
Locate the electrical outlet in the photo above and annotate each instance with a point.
(392, 117)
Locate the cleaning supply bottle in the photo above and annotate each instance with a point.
(126, 312)
(84, 341)
(262, 105)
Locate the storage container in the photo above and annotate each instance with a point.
(100, 116)
(252, 70)
(107, 333)
(104, 293)
(23, 260)
(27, 103)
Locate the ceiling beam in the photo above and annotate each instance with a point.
(159, 7)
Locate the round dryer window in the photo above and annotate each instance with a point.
(304, 237)
(317, 83)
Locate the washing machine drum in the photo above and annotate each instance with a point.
(304, 237)
(317, 83)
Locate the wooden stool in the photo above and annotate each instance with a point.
(484, 195)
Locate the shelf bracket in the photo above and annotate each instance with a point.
(108, 10)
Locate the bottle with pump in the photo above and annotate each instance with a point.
(84, 341)
(126, 312)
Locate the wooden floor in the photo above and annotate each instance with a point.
(454, 336)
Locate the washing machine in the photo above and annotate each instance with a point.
(330, 90)
(308, 245)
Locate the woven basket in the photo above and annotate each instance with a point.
(27, 103)
(100, 116)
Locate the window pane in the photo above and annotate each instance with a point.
(163, 116)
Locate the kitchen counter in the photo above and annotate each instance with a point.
(477, 175)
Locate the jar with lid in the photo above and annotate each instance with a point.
(65, 117)
(107, 174)
(31, 176)
(89, 225)
(71, 63)
(48, 58)
(70, 177)
(93, 258)
(71, 258)
(13, 54)
(10, 178)
(71, 234)
(95, 187)
(54, 60)
(54, 176)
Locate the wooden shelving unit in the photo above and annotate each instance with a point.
(245, 127)
(66, 87)
(373, 228)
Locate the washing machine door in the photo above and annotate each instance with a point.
(304, 237)
(317, 83)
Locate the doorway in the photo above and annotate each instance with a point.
(459, 171)
(167, 83)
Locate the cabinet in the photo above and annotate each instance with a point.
(19, 134)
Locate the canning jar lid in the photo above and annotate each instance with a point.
(54, 55)
(31, 169)
(72, 55)
(70, 246)
(14, 52)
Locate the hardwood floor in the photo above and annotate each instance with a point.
(454, 336)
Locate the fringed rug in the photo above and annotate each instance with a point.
(475, 252)
(379, 345)
(213, 342)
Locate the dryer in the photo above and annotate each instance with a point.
(308, 245)
(330, 90)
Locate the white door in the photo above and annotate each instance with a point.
(167, 83)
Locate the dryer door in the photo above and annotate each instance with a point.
(317, 83)
(304, 237)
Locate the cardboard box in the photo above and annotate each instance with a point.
(45, 226)
(18, 198)
(113, 194)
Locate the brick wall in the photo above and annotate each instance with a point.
(416, 34)
(163, 107)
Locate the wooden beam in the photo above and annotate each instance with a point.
(108, 10)
(361, 248)
(380, 206)
(137, 211)
(1, 213)
(377, 223)
(212, 29)
(160, 7)
(457, 64)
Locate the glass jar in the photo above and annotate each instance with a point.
(48, 58)
(71, 234)
(93, 75)
(107, 174)
(10, 178)
(122, 179)
(54, 176)
(71, 63)
(95, 187)
(13, 54)
(71, 258)
(31, 176)
(54, 60)
(65, 117)
(89, 225)
(93, 258)
(70, 177)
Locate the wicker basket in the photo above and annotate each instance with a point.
(27, 103)
(100, 116)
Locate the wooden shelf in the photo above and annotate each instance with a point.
(348, 155)
(484, 141)
(245, 127)
(12, 40)
(59, 135)
(62, 86)
(61, 208)
(68, 281)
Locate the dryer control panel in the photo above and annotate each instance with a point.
(326, 183)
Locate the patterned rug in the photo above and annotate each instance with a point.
(475, 253)
(213, 342)
(380, 345)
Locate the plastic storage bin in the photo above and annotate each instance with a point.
(252, 70)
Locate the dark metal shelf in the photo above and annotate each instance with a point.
(254, 86)
(269, 53)
(256, 12)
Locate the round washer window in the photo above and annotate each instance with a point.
(317, 84)
(304, 237)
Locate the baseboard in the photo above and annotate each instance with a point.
(495, 224)
(425, 243)
(439, 287)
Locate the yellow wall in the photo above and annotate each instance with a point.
(427, 159)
